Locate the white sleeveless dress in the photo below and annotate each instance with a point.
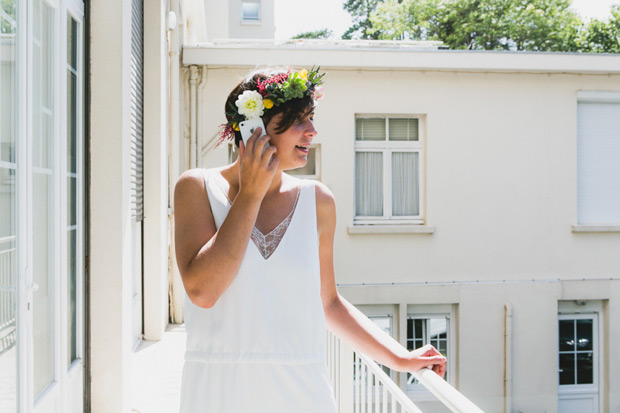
(261, 347)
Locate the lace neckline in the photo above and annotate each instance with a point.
(267, 243)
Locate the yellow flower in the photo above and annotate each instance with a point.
(235, 126)
(303, 74)
(268, 103)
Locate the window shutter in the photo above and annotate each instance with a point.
(137, 100)
(598, 153)
(370, 129)
(403, 129)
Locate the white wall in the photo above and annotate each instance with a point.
(501, 195)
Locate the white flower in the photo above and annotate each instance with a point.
(250, 104)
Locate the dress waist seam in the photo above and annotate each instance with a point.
(254, 358)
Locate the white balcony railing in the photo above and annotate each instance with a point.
(7, 294)
(361, 386)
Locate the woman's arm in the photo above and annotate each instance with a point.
(348, 322)
(209, 259)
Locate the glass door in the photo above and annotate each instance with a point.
(42, 203)
(8, 205)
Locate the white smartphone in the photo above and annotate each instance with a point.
(247, 128)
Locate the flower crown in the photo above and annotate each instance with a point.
(271, 92)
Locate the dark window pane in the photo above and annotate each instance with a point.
(567, 335)
(409, 328)
(567, 369)
(584, 335)
(585, 366)
(419, 329)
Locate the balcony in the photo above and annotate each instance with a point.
(360, 385)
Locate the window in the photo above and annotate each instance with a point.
(576, 350)
(388, 165)
(422, 330)
(250, 10)
(598, 151)
(579, 366)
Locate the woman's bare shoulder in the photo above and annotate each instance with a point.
(324, 196)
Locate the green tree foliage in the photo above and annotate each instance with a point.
(536, 25)
(360, 11)
(7, 26)
(602, 36)
(316, 34)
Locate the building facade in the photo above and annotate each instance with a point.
(477, 201)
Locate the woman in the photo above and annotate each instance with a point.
(261, 288)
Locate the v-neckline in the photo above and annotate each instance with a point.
(264, 252)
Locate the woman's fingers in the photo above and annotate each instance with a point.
(253, 140)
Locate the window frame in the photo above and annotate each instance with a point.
(244, 19)
(387, 147)
(596, 353)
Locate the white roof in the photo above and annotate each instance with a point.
(396, 55)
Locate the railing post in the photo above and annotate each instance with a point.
(346, 378)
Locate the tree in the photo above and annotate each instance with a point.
(602, 36)
(316, 34)
(548, 25)
(360, 11)
(6, 26)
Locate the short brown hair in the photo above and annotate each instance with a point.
(292, 110)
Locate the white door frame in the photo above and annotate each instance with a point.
(567, 392)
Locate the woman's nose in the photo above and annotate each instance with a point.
(310, 129)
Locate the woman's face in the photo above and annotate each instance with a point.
(292, 144)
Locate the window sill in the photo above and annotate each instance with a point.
(595, 228)
(250, 22)
(391, 229)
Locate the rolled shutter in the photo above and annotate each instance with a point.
(137, 104)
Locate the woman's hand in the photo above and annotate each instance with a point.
(256, 168)
(425, 357)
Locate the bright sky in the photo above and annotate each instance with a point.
(297, 16)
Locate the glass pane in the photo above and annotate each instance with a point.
(585, 367)
(419, 329)
(567, 368)
(43, 299)
(567, 335)
(369, 183)
(8, 206)
(438, 328)
(584, 335)
(405, 184)
(72, 295)
(250, 11)
(8, 291)
(384, 322)
(42, 196)
(72, 42)
(403, 129)
(72, 121)
(370, 129)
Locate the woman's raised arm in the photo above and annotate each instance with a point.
(208, 258)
